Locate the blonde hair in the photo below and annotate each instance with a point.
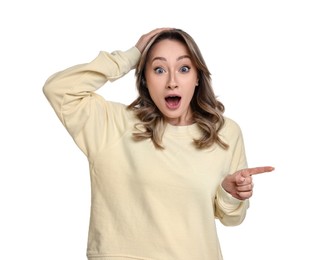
(207, 110)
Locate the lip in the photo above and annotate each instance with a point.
(173, 101)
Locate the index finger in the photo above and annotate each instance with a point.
(257, 170)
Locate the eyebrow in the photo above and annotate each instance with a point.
(179, 58)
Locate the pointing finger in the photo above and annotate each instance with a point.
(256, 170)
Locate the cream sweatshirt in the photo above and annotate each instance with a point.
(147, 204)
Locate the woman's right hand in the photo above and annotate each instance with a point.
(144, 39)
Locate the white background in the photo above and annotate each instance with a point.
(269, 62)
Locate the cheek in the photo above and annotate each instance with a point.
(154, 92)
(155, 86)
(191, 91)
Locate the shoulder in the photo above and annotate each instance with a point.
(120, 112)
(230, 126)
(231, 131)
(116, 105)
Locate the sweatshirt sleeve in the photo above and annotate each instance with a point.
(229, 210)
(71, 93)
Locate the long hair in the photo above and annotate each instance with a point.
(206, 109)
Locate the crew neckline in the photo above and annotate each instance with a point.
(182, 130)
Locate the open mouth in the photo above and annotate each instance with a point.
(172, 101)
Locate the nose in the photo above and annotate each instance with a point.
(172, 84)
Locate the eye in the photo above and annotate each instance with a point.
(159, 70)
(185, 69)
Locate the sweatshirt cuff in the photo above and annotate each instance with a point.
(133, 55)
(226, 200)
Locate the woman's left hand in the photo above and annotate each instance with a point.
(240, 184)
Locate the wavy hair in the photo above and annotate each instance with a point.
(207, 110)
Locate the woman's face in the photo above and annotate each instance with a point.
(171, 79)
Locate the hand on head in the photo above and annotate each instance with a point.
(240, 184)
(144, 39)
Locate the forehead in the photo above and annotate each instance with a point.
(168, 48)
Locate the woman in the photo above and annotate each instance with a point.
(164, 167)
